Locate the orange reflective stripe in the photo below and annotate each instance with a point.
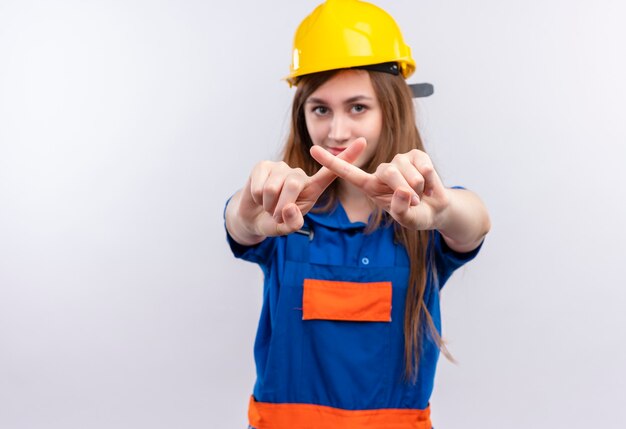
(263, 415)
(331, 300)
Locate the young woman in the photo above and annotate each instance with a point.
(355, 233)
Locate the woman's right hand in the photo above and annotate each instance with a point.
(276, 197)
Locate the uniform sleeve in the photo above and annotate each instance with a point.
(260, 253)
(448, 260)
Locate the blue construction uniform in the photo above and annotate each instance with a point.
(341, 364)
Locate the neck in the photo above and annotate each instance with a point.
(355, 203)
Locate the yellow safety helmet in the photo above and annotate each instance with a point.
(348, 33)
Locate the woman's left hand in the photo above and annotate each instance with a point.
(408, 187)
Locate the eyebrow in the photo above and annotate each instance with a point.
(348, 101)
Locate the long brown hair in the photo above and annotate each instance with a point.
(399, 135)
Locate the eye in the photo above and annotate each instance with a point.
(359, 108)
(320, 110)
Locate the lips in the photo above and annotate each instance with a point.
(335, 150)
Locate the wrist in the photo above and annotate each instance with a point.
(240, 225)
(441, 218)
(464, 220)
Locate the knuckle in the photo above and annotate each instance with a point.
(270, 189)
(292, 184)
(390, 171)
(417, 182)
(401, 157)
(417, 178)
(296, 178)
(424, 156)
(261, 164)
(417, 154)
(427, 168)
(381, 168)
(257, 195)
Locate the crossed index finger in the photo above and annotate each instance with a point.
(329, 171)
(337, 166)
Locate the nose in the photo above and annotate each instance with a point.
(339, 129)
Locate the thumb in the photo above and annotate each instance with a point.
(293, 220)
(400, 205)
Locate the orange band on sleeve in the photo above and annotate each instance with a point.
(263, 415)
(332, 300)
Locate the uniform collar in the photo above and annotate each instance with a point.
(336, 219)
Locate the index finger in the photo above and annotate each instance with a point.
(340, 167)
(326, 176)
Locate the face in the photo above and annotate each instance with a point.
(344, 108)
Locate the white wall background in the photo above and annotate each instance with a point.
(124, 126)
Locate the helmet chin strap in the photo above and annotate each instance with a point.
(421, 89)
